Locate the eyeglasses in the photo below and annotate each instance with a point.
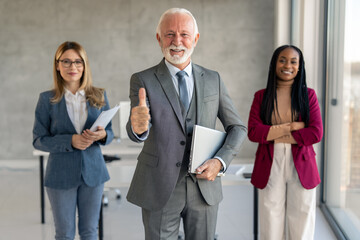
(66, 63)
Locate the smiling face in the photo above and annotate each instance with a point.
(71, 74)
(177, 39)
(287, 65)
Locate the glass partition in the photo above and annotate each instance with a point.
(342, 132)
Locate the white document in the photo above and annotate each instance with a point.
(205, 143)
(104, 118)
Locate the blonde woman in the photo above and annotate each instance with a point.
(76, 171)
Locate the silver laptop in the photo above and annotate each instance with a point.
(205, 143)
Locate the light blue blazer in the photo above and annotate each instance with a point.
(53, 132)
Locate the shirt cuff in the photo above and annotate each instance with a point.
(141, 137)
(223, 164)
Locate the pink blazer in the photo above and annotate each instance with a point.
(303, 152)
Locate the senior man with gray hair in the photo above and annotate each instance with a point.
(167, 100)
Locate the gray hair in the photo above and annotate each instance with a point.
(173, 11)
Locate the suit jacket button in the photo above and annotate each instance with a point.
(182, 142)
(67, 149)
(178, 164)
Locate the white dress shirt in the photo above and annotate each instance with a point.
(76, 108)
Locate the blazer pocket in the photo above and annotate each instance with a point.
(148, 159)
(211, 98)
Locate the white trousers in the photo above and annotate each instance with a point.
(286, 208)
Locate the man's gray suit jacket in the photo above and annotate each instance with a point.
(159, 162)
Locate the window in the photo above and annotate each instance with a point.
(341, 193)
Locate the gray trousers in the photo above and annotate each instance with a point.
(186, 202)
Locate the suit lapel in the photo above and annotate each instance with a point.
(91, 116)
(199, 83)
(66, 118)
(164, 78)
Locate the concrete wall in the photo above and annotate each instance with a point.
(236, 39)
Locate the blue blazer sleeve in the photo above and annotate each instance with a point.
(43, 138)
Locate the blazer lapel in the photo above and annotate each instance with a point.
(62, 105)
(199, 83)
(164, 78)
(91, 116)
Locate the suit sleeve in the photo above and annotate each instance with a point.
(234, 127)
(314, 131)
(42, 138)
(258, 131)
(135, 84)
(108, 129)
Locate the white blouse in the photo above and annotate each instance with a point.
(76, 108)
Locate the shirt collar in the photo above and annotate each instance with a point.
(82, 92)
(173, 70)
(68, 93)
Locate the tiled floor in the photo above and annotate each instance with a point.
(20, 208)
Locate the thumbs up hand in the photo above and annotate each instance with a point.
(140, 114)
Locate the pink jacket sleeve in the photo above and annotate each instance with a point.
(257, 131)
(313, 132)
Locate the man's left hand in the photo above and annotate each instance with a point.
(209, 170)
